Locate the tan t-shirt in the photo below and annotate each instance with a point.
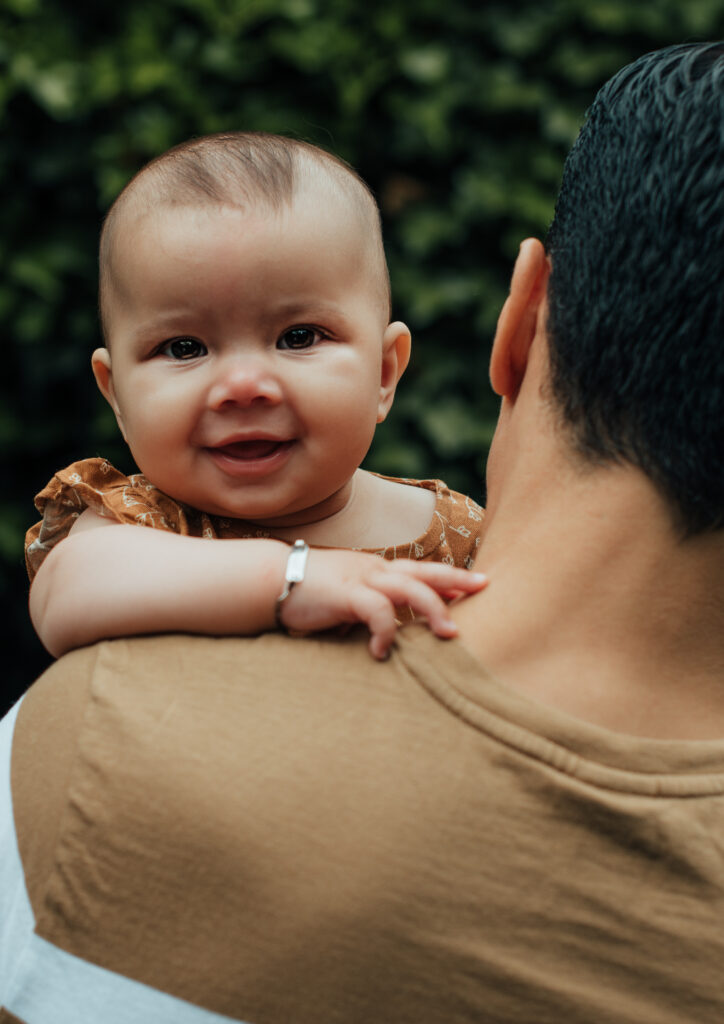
(452, 536)
(284, 830)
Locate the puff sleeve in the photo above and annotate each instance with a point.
(97, 485)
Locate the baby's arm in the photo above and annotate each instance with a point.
(94, 586)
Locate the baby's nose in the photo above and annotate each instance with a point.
(245, 380)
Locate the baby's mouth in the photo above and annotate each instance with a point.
(257, 449)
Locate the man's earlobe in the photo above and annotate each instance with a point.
(518, 318)
(101, 364)
(396, 344)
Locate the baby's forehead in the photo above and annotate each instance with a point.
(317, 205)
(259, 174)
(331, 206)
(169, 240)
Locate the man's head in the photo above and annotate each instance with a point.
(636, 292)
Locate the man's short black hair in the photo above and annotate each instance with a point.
(636, 321)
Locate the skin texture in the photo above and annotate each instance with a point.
(246, 289)
(597, 606)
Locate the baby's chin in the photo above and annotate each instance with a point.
(261, 517)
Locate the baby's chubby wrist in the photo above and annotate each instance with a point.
(294, 571)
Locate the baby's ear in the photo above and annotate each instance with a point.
(103, 373)
(396, 343)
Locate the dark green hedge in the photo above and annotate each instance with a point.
(458, 114)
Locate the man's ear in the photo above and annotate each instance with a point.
(518, 319)
(396, 344)
(103, 373)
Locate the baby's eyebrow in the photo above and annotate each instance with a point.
(310, 308)
(163, 322)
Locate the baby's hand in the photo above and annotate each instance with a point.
(351, 586)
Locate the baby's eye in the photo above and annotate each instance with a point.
(299, 337)
(183, 348)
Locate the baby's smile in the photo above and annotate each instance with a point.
(255, 456)
(257, 448)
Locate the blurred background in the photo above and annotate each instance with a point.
(458, 114)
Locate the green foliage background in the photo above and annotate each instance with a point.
(459, 115)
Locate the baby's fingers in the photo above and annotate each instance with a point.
(428, 604)
(378, 613)
(404, 589)
(445, 579)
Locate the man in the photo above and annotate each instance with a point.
(525, 824)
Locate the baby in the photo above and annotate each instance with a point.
(245, 306)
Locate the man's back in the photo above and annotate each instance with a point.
(415, 843)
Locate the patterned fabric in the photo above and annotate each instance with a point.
(452, 536)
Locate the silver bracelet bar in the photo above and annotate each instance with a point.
(294, 573)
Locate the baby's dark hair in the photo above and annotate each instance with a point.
(244, 170)
(636, 321)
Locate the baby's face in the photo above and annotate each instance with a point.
(249, 357)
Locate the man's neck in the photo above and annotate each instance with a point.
(595, 606)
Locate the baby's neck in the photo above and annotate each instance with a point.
(379, 513)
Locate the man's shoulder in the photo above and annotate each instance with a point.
(189, 779)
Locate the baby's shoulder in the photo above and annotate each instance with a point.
(440, 498)
(450, 529)
(97, 485)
